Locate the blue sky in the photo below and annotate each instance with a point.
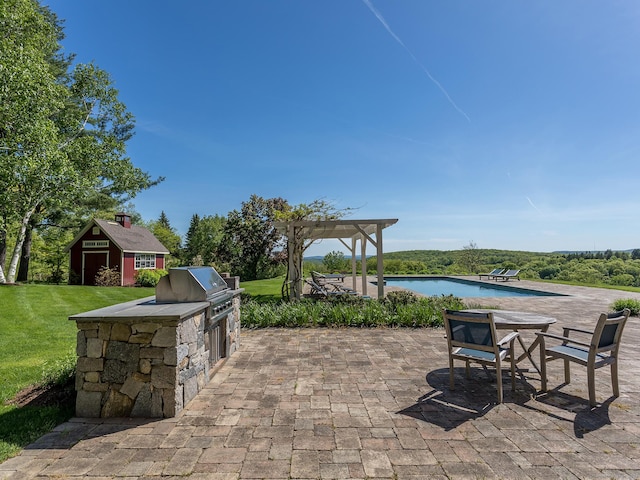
(512, 124)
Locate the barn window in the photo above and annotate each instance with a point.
(145, 260)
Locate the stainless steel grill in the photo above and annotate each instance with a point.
(201, 284)
(190, 284)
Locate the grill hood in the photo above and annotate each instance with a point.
(190, 284)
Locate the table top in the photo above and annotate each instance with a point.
(509, 319)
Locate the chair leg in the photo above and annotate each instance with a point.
(543, 366)
(591, 373)
(513, 370)
(467, 369)
(451, 383)
(614, 379)
(567, 372)
(499, 380)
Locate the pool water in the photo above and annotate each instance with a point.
(461, 288)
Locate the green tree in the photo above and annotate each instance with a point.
(202, 242)
(163, 221)
(62, 132)
(470, 257)
(167, 235)
(250, 237)
(334, 261)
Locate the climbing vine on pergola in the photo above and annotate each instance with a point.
(301, 233)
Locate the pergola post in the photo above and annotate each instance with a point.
(295, 282)
(354, 262)
(363, 262)
(380, 261)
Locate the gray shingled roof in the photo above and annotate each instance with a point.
(134, 239)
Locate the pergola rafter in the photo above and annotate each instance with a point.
(367, 231)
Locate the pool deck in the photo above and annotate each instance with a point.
(370, 403)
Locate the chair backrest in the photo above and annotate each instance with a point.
(316, 289)
(470, 330)
(608, 331)
(511, 273)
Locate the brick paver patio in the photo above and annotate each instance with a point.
(360, 403)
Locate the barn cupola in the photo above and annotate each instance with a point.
(123, 219)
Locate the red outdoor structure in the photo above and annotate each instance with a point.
(115, 244)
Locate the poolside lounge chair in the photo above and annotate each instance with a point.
(471, 337)
(336, 287)
(321, 291)
(507, 275)
(323, 278)
(598, 349)
(492, 273)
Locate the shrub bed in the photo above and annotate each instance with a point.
(397, 309)
(630, 303)
(149, 278)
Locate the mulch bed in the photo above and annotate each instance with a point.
(45, 396)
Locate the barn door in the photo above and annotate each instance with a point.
(92, 262)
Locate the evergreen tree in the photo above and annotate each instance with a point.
(203, 239)
(167, 235)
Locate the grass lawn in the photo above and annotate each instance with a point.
(36, 340)
(264, 290)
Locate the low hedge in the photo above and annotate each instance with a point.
(397, 309)
(630, 303)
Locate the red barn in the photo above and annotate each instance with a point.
(115, 244)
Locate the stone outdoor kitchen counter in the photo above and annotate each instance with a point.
(148, 359)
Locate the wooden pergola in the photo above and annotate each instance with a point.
(348, 232)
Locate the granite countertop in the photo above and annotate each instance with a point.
(143, 309)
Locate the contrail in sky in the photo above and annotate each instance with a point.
(531, 203)
(397, 39)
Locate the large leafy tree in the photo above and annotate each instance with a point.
(63, 130)
(250, 237)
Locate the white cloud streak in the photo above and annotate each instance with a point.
(532, 204)
(424, 69)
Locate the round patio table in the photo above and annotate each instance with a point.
(515, 321)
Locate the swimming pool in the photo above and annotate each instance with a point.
(460, 287)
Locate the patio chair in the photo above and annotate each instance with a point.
(492, 273)
(596, 352)
(507, 275)
(471, 337)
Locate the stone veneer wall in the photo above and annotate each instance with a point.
(146, 366)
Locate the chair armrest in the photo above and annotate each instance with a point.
(508, 338)
(563, 339)
(579, 330)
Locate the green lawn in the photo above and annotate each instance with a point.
(268, 289)
(35, 337)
